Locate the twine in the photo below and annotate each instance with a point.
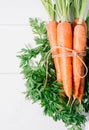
(72, 53)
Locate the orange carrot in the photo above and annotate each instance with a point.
(64, 39)
(52, 36)
(79, 45)
(81, 88)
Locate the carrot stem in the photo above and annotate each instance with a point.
(49, 7)
(79, 7)
(82, 10)
(59, 8)
(54, 12)
(76, 8)
(63, 9)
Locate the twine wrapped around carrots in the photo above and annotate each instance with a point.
(71, 53)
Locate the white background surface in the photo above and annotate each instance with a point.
(15, 112)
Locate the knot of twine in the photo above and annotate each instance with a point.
(71, 53)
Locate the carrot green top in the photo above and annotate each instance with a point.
(59, 8)
(63, 9)
(79, 7)
(50, 8)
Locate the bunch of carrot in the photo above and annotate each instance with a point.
(71, 35)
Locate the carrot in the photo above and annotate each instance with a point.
(52, 34)
(81, 88)
(79, 45)
(64, 38)
(52, 37)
